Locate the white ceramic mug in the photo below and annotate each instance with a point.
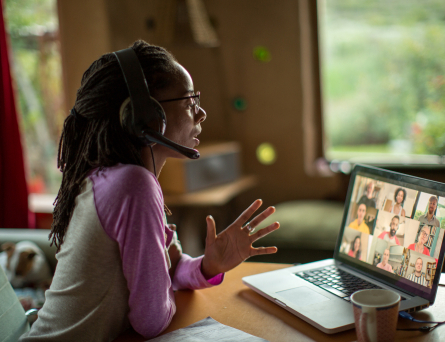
(375, 314)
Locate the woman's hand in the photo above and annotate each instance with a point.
(174, 251)
(234, 245)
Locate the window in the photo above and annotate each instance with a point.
(37, 72)
(383, 79)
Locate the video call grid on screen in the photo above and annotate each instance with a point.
(396, 229)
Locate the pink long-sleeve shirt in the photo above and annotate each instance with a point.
(112, 268)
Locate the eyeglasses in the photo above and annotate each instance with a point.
(424, 233)
(196, 100)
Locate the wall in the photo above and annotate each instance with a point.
(274, 91)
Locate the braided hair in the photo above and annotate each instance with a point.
(92, 137)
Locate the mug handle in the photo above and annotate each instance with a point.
(363, 322)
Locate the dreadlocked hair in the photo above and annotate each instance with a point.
(93, 137)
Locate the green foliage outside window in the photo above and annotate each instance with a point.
(418, 214)
(37, 72)
(384, 74)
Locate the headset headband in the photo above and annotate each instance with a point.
(142, 105)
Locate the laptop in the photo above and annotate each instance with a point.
(390, 238)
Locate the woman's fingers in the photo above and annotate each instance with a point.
(245, 216)
(211, 230)
(263, 250)
(263, 232)
(261, 217)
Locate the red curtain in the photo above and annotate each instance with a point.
(13, 190)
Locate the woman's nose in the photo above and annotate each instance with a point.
(201, 116)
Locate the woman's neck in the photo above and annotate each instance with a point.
(159, 160)
(419, 246)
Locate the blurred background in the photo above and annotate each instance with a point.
(304, 89)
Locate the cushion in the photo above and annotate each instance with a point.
(304, 224)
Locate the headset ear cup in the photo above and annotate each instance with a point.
(135, 123)
(159, 118)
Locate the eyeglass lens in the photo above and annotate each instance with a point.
(196, 101)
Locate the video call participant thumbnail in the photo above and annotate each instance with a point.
(399, 199)
(359, 223)
(367, 197)
(356, 250)
(384, 265)
(430, 218)
(391, 235)
(422, 238)
(418, 276)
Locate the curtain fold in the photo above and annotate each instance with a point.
(13, 190)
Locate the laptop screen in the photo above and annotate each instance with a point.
(393, 229)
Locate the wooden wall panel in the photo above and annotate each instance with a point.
(85, 35)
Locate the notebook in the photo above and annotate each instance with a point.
(391, 237)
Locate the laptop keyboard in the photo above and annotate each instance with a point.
(336, 281)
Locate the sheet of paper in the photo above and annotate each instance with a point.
(207, 330)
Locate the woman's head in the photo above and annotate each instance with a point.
(356, 243)
(355, 246)
(94, 136)
(361, 212)
(400, 196)
(424, 233)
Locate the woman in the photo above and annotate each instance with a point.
(399, 200)
(355, 250)
(117, 264)
(384, 265)
(422, 239)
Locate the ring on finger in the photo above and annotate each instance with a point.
(249, 227)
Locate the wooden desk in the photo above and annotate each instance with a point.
(234, 304)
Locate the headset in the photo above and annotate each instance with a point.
(141, 115)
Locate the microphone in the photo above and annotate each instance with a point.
(158, 138)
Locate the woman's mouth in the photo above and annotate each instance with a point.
(195, 138)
